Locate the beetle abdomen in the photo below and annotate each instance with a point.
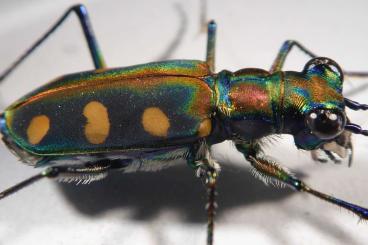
(83, 113)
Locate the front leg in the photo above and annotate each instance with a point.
(336, 150)
(269, 169)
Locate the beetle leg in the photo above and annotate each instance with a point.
(285, 50)
(272, 170)
(208, 170)
(94, 49)
(79, 174)
(200, 159)
(211, 42)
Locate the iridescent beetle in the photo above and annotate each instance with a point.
(149, 116)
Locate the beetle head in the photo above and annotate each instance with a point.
(314, 105)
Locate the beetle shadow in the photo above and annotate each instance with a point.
(175, 188)
(175, 43)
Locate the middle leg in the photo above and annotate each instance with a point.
(208, 170)
(211, 42)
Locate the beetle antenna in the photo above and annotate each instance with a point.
(356, 129)
(49, 172)
(355, 105)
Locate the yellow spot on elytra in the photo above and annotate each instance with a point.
(155, 122)
(205, 128)
(98, 124)
(37, 129)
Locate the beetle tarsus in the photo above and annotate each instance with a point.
(211, 209)
(208, 170)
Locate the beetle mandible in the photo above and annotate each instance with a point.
(149, 116)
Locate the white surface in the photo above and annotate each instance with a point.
(167, 207)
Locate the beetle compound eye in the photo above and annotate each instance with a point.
(326, 124)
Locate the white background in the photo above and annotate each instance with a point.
(167, 207)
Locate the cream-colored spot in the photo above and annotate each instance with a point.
(98, 124)
(205, 128)
(37, 129)
(155, 122)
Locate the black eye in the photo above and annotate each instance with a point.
(326, 124)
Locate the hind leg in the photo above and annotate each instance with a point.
(83, 173)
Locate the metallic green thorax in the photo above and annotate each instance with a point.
(247, 99)
(255, 103)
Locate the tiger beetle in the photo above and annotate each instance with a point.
(150, 116)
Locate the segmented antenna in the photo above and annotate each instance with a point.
(355, 105)
(356, 129)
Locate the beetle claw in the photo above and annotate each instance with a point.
(317, 156)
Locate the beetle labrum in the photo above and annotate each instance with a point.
(148, 116)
